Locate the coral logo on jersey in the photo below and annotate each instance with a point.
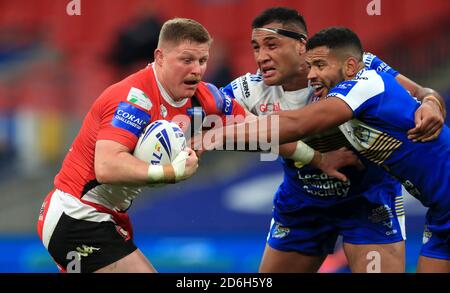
(227, 105)
(138, 97)
(130, 118)
(280, 231)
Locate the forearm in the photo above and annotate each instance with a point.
(260, 134)
(421, 93)
(430, 95)
(283, 127)
(122, 168)
(114, 164)
(301, 152)
(286, 150)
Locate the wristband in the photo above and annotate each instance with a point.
(161, 174)
(155, 173)
(303, 153)
(441, 108)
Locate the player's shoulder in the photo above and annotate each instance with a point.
(372, 61)
(131, 89)
(368, 59)
(373, 78)
(206, 91)
(211, 98)
(369, 76)
(246, 86)
(366, 83)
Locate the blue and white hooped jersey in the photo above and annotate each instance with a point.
(383, 113)
(304, 182)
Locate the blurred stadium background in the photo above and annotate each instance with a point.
(52, 66)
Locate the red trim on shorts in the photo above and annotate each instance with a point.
(121, 218)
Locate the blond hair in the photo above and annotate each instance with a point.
(178, 30)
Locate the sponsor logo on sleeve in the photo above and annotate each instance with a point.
(278, 231)
(130, 118)
(342, 88)
(138, 97)
(227, 105)
(245, 89)
(383, 67)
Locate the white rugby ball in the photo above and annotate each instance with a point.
(160, 143)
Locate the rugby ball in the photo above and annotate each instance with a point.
(160, 143)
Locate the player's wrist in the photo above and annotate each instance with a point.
(161, 174)
(179, 166)
(317, 159)
(155, 173)
(436, 101)
(303, 153)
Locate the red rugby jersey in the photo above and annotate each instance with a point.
(120, 114)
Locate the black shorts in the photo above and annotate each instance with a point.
(81, 245)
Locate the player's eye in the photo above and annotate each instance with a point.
(203, 61)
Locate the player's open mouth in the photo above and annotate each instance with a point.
(318, 89)
(191, 82)
(268, 72)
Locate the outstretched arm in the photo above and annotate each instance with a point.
(312, 119)
(284, 126)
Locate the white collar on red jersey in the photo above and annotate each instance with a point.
(165, 94)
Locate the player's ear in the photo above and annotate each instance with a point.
(158, 56)
(351, 66)
(301, 47)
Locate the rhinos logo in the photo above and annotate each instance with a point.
(362, 133)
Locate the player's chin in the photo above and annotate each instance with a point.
(189, 88)
(324, 93)
(189, 92)
(273, 80)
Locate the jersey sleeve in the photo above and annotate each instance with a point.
(225, 105)
(122, 117)
(358, 93)
(375, 63)
(243, 91)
